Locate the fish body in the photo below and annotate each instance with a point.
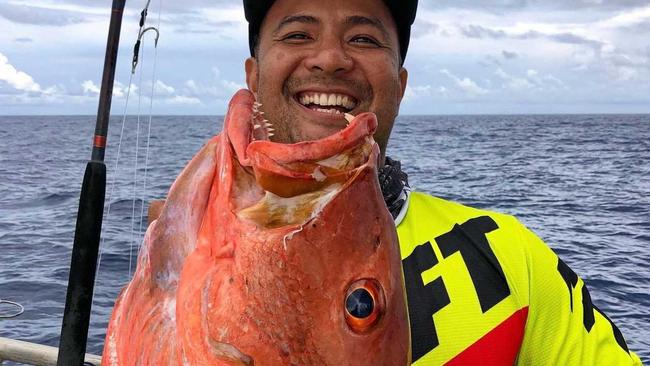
(268, 254)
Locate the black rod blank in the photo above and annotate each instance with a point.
(83, 264)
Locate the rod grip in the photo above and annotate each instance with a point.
(83, 265)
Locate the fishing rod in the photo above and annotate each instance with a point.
(83, 264)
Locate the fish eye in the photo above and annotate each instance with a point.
(360, 303)
(364, 305)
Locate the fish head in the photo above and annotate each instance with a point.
(318, 277)
(268, 254)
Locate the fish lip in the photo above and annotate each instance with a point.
(337, 121)
(361, 125)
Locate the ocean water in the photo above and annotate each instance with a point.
(581, 182)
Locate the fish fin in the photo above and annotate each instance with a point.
(230, 354)
(155, 208)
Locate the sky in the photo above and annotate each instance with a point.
(466, 57)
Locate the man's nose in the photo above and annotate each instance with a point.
(330, 57)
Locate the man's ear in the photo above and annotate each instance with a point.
(403, 78)
(252, 74)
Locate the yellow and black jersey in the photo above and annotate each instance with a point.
(484, 290)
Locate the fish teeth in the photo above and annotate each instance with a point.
(255, 127)
(348, 117)
(271, 134)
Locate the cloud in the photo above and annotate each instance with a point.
(423, 91)
(417, 91)
(202, 25)
(509, 55)
(120, 90)
(514, 5)
(477, 31)
(494, 53)
(17, 79)
(637, 21)
(181, 99)
(480, 32)
(162, 89)
(568, 38)
(484, 5)
(532, 81)
(220, 88)
(185, 6)
(466, 85)
(26, 14)
(164, 94)
(490, 61)
(422, 28)
(89, 87)
(513, 83)
(642, 27)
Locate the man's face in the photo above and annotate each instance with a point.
(318, 59)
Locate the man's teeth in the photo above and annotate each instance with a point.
(325, 99)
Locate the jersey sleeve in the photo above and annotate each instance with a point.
(564, 327)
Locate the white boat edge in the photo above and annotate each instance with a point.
(34, 353)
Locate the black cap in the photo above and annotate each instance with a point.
(403, 12)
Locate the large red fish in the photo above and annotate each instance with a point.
(268, 254)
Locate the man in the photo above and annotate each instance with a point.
(481, 288)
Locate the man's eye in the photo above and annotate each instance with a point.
(365, 40)
(296, 37)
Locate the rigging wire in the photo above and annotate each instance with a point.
(112, 190)
(141, 32)
(137, 145)
(135, 165)
(146, 159)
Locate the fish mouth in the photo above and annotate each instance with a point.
(296, 180)
(260, 127)
(299, 180)
(331, 106)
(297, 177)
(289, 170)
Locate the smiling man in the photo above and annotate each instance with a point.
(312, 66)
(481, 288)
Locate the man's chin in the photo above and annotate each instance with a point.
(303, 124)
(319, 125)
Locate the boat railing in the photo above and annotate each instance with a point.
(35, 354)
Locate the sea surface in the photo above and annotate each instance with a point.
(581, 182)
